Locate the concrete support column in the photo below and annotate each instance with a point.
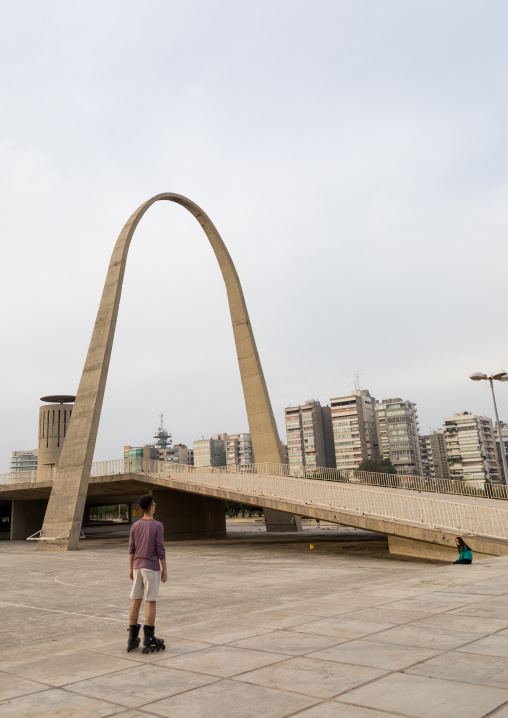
(27, 518)
(281, 521)
(190, 516)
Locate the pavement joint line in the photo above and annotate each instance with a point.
(495, 711)
(68, 613)
(333, 702)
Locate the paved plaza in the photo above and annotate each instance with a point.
(255, 625)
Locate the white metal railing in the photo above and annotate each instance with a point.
(17, 477)
(424, 511)
(352, 497)
(350, 476)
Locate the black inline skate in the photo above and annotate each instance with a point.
(134, 640)
(150, 642)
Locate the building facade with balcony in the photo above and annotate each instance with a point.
(471, 448)
(239, 450)
(23, 461)
(434, 456)
(397, 429)
(309, 436)
(354, 429)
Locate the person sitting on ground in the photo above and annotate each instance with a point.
(146, 558)
(465, 553)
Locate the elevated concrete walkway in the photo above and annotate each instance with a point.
(190, 503)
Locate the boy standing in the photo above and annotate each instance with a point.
(146, 556)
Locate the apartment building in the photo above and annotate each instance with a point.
(433, 455)
(177, 454)
(471, 448)
(309, 436)
(397, 429)
(210, 452)
(239, 450)
(23, 460)
(354, 429)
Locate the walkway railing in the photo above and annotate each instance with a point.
(267, 480)
(412, 483)
(392, 481)
(423, 511)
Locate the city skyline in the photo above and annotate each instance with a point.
(367, 146)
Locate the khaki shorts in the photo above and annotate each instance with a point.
(146, 584)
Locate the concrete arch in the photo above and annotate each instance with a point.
(67, 500)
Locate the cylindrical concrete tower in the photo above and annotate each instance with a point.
(53, 424)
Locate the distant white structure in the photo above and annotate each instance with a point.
(23, 461)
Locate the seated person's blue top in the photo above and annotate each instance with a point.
(465, 553)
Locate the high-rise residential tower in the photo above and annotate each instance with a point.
(471, 448)
(354, 429)
(397, 428)
(433, 455)
(309, 436)
(239, 450)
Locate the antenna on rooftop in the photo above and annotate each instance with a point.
(162, 437)
(357, 382)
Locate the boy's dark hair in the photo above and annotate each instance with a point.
(145, 502)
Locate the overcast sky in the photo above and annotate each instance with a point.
(352, 154)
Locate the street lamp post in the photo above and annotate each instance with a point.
(499, 376)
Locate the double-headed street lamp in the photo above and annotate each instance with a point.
(499, 376)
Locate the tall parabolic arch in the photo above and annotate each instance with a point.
(65, 507)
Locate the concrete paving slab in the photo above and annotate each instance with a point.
(375, 655)
(485, 610)
(490, 646)
(319, 608)
(436, 602)
(500, 600)
(175, 646)
(455, 622)
(217, 632)
(342, 627)
(423, 637)
(336, 709)
(427, 697)
(387, 615)
(224, 661)
(502, 713)
(14, 686)
(138, 686)
(465, 667)
(66, 668)
(317, 678)
(56, 703)
(288, 642)
(274, 619)
(224, 588)
(230, 699)
(480, 588)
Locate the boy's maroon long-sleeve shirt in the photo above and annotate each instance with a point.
(147, 543)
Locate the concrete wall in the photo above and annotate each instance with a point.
(188, 516)
(27, 518)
